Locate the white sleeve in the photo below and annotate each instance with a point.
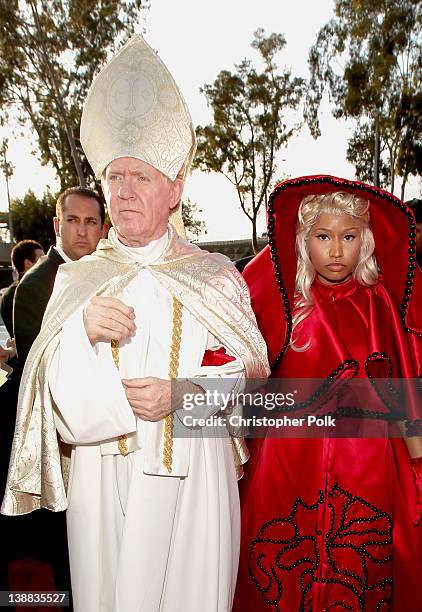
(90, 402)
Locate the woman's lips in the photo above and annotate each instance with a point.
(335, 267)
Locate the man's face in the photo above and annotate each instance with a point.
(139, 200)
(79, 228)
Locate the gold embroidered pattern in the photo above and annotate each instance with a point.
(173, 371)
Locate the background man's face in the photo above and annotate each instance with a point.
(79, 228)
(139, 200)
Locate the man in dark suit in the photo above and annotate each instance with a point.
(78, 225)
(24, 255)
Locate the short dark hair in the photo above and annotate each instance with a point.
(416, 206)
(25, 249)
(82, 191)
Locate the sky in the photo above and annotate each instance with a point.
(196, 40)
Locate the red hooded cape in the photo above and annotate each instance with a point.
(328, 523)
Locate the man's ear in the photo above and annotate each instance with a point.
(177, 190)
(56, 224)
(27, 264)
(105, 229)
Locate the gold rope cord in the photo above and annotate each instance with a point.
(172, 373)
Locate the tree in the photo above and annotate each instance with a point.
(49, 53)
(361, 151)
(249, 124)
(194, 227)
(409, 156)
(369, 57)
(33, 217)
(7, 169)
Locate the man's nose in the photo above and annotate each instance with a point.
(125, 189)
(82, 229)
(336, 248)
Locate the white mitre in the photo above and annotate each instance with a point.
(135, 109)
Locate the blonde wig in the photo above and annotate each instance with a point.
(311, 208)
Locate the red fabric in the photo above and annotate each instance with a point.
(31, 575)
(327, 524)
(218, 357)
(416, 465)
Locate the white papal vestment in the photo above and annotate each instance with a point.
(141, 540)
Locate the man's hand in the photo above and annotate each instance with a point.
(151, 398)
(8, 353)
(107, 318)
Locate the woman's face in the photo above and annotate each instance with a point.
(334, 247)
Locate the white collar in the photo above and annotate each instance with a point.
(62, 254)
(145, 254)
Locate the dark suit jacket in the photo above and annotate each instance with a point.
(241, 263)
(31, 298)
(6, 307)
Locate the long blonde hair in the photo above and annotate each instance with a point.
(311, 208)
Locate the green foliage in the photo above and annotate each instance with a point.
(193, 226)
(5, 166)
(360, 152)
(33, 217)
(409, 156)
(249, 125)
(50, 51)
(369, 58)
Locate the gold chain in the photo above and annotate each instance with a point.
(172, 374)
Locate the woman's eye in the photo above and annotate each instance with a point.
(349, 237)
(322, 236)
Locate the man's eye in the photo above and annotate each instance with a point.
(113, 178)
(142, 178)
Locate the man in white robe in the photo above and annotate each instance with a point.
(153, 518)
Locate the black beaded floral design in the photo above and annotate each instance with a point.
(304, 547)
(411, 259)
(367, 536)
(323, 393)
(396, 402)
(285, 556)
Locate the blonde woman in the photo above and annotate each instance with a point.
(328, 522)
